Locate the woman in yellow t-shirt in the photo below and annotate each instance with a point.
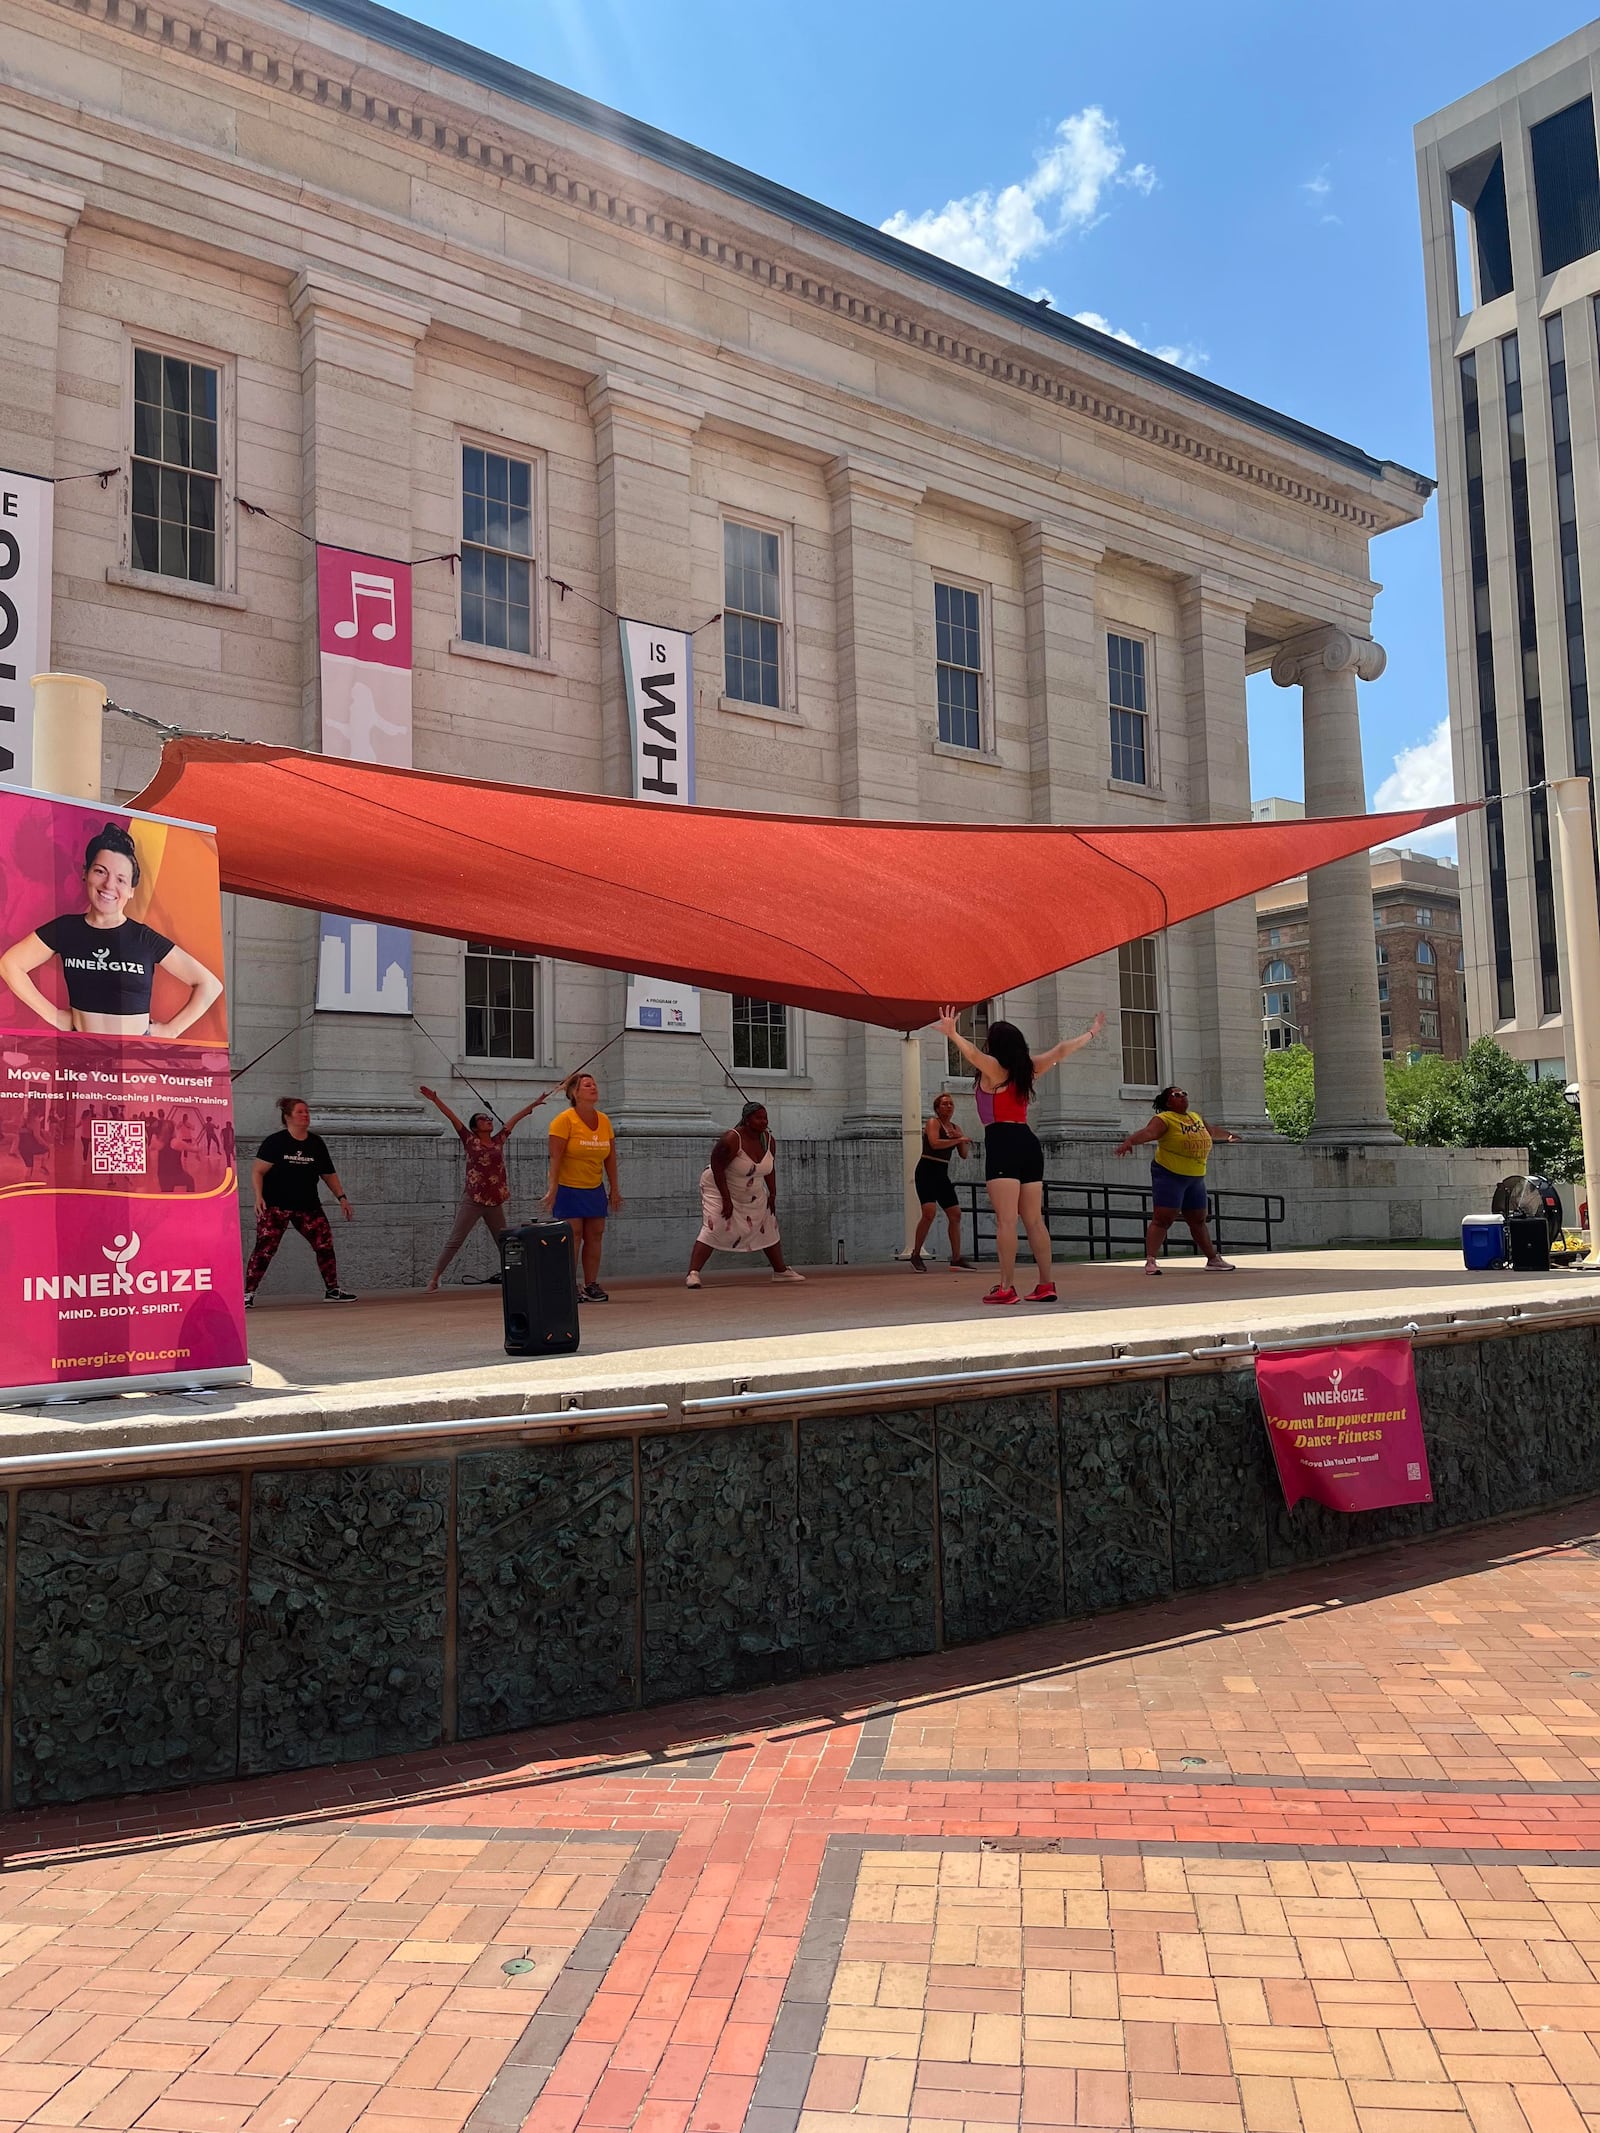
(1178, 1176)
(583, 1177)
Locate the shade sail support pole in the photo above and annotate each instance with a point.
(1580, 909)
(910, 1131)
(68, 712)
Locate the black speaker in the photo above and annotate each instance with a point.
(1529, 1237)
(539, 1289)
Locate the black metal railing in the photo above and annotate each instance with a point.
(1108, 1221)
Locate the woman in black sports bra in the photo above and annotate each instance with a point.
(109, 960)
(941, 1138)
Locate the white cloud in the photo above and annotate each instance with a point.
(1422, 777)
(992, 233)
(1318, 191)
(1189, 357)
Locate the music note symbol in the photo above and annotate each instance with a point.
(365, 586)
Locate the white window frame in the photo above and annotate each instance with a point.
(787, 709)
(1163, 1024)
(537, 657)
(488, 1067)
(1426, 1015)
(127, 573)
(985, 752)
(1110, 627)
(771, 1077)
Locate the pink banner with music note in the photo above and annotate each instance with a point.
(364, 636)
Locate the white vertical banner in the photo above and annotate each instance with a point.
(27, 521)
(658, 677)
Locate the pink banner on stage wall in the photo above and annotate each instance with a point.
(119, 1216)
(1345, 1425)
(364, 638)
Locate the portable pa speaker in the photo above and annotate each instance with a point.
(539, 1289)
(1529, 1237)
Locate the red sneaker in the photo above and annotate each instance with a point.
(1000, 1294)
(1045, 1293)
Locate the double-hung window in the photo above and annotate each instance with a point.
(502, 991)
(752, 615)
(760, 1036)
(958, 630)
(973, 1023)
(176, 489)
(497, 550)
(1141, 1013)
(1127, 683)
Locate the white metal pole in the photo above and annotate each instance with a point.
(68, 712)
(910, 1130)
(1581, 912)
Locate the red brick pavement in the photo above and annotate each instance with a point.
(675, 2027)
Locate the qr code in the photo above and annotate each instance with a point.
(1413, 1471)
(118, 1147)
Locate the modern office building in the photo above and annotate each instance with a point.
(283, 273)
(1510, 187)
(1416, 935)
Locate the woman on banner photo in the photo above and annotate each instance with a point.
(108, 960)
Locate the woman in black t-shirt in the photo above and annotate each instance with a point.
(109, 960)
(288, 1168)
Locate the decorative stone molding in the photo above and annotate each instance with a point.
(524, 161)
(1048, 541)
(862, 480)
(361, 312)
(1331, 650)
(36, 207)
(615, 393)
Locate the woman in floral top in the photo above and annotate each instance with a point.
(488, 1187)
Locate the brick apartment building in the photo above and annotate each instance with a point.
(1416, 931)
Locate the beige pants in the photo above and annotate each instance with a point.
(468, 1215)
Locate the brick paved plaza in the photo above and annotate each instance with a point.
(1318, 1855)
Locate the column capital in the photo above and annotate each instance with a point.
(357, 308)
(854, 477)
(611, 393)
(1330, 650)
(1210, 589)
(1046, 540)
(37, 207)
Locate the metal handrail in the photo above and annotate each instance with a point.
(1099, 1215)
(403, 1434)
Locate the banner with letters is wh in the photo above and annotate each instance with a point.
(364, 638)
(119, 1203)
(27, 518)
(658, 678)
(1345, 1425)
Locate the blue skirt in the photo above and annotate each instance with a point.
(580, 1201)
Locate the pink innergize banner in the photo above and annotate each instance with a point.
(1345, 1425)
(364, 641)
(119, 1206)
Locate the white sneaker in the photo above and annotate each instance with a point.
(1221, 1266)
(1150, 1267)
(788, 1274)
(693, 1281)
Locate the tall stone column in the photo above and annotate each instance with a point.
(1351, 1107)
(1212, 627)
(644, 441)
(358, 350)
(880, 719)
(1067, 763)
(36, 219)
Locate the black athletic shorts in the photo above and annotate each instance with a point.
(934, 1188)
(1012, 1151)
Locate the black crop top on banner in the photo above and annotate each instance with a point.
(109, 969)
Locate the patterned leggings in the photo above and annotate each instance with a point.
(271, 1224)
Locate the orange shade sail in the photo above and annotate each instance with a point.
(876, 921)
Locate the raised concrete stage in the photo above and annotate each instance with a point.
(409, 1358)
(382, 1564)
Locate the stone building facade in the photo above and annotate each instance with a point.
(1416, 931)
(1509, 178)
(991, 564)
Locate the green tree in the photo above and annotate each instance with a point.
(1291, 1091)
(1423, 1098)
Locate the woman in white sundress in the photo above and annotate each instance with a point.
(739, 1199)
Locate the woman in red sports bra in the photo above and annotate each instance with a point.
(1013, 1161)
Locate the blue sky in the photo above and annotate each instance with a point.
(1242, 190)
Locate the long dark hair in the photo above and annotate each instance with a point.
(1007, 1046)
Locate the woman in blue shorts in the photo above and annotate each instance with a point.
(1178, 1176)
(583, 1178)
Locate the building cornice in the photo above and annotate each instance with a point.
(251, 51)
